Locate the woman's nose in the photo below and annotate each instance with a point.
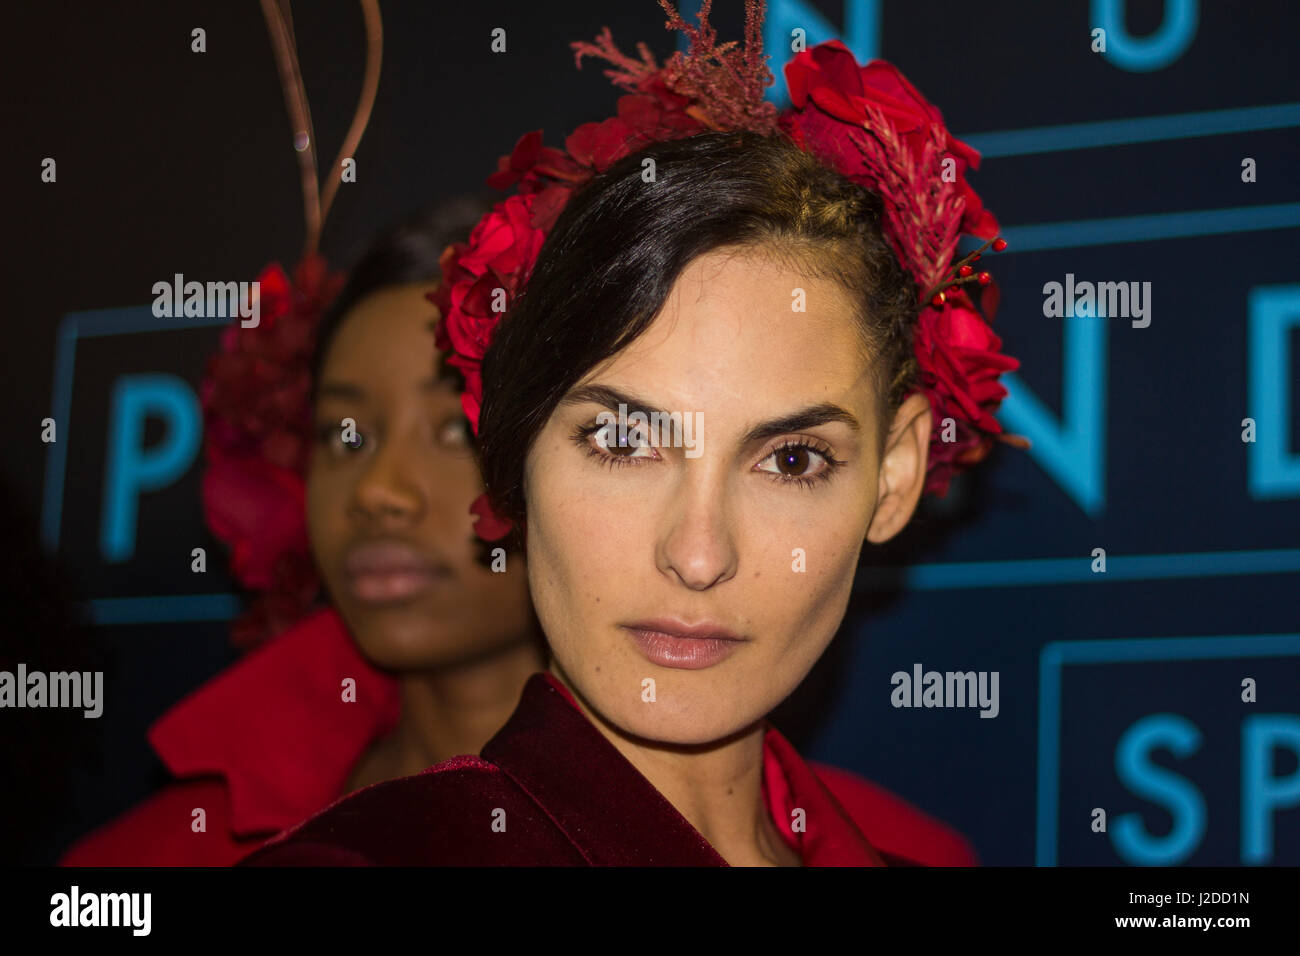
(698, 546)
(385, 489)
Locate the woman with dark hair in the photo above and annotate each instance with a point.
(734, 348)
(425, 645)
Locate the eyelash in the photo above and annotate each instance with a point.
(804, 481)
(582, 438)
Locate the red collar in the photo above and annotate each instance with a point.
(555, 754)
(276, 726)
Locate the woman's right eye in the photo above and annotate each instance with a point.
(626, 445)
(602, 442)
(340, 440)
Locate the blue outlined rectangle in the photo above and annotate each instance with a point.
(1056, 655)
(100, 323)
(75, 326)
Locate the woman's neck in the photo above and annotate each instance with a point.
(717, 788)
(448, 712)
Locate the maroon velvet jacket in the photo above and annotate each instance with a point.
(566, 796)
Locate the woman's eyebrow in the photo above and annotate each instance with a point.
(804, 418)
(809, 417)
(610, 398)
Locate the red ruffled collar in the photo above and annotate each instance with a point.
(276, 726)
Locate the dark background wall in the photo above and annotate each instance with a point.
(1119, 690)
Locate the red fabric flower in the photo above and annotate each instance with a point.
(481, 279)
(960, 360)
(828, 75)
(256, 399)
(489, 525)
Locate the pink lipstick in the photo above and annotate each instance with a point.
(384, 572)
(672, 644)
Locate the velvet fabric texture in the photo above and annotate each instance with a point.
(550, 790)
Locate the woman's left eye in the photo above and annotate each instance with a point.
(798, 461)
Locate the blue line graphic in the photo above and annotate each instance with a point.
(1119, 567)
(1068, 137)
(165, 609)
(1147, 228)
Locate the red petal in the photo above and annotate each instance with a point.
(489, 526)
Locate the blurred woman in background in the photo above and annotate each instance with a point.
(428, 638)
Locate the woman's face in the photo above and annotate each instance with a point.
(388, 513)
(754, 533)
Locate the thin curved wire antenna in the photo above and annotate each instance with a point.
(279, 24)
(365, 102)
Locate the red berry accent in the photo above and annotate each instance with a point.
(965, 271)
(975, 258)
(984, 278)
(999, 245)
(938, 299)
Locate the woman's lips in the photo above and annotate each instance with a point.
(688, 648)
(388, 571)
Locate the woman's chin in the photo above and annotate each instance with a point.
(691, 720)
(404, 645)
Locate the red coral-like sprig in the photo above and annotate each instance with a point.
(629, 74)
(725, 82)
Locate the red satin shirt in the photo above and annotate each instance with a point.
(271, 741)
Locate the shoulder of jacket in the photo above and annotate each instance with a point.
(159, 831)
(464, 811)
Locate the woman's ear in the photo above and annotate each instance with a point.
(902, 469)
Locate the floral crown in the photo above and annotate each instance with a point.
(866, 122)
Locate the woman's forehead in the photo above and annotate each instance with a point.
(734, 329)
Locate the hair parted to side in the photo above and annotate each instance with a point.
(620, 244)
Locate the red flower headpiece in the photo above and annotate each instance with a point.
(866, 122)
(256, 398)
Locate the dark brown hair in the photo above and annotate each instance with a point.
(407, 252)
(620, 244)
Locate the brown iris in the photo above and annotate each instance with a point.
(633, 440)
(792, 461)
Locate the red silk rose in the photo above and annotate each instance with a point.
(828, 75)
(489, 525)
(960, 360)
(499, 256)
